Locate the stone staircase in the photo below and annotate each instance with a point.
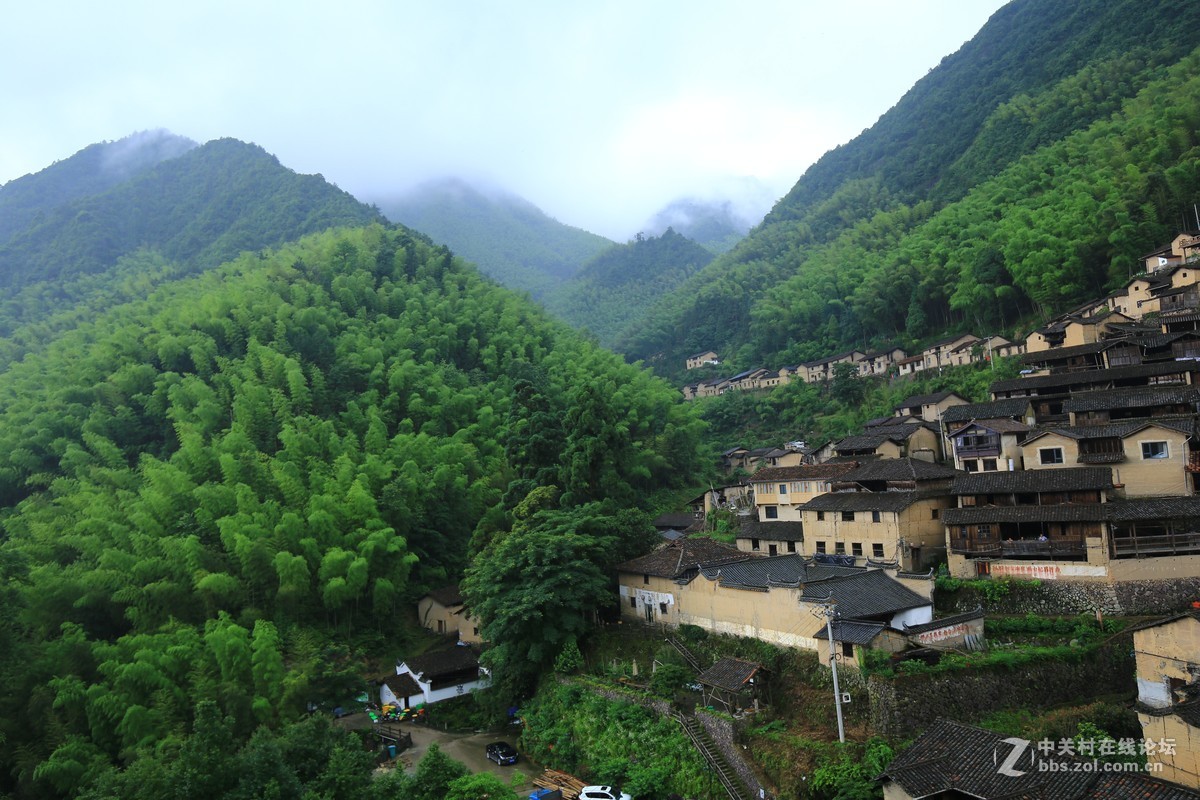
(688, 656)
(717, 762)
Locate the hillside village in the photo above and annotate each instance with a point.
(1079, 477)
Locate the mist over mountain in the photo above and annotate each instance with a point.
(94, 169)
(507, 237)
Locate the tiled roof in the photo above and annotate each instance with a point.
(778, 530)
(730, 674)
(864, 595)
(673, 559)
(861, 501)
(403, 686)
(1095, 376)
(996, 409)
(1075, 512)
(945, 622)
(929, 399)
(672, 520)
(1143, 508)
(447, 596)
(1066, 479)
(803, 472)
(1134, 397)
(948, 339)
(1003, 425)
(845, 630)
(1114, 430)
(762, 573)
(1055, 353)
(961, 761)
(900, 469)
(443, 662)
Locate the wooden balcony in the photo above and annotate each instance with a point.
(1193, 461)
(1164, 545)
(1069, 549)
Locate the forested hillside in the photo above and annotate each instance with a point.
(508, 238)
(213, 496)
(618, 285)
(716, 226)
(93, 170)
(1025, 173)
(200, 209)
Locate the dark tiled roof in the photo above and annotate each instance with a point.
(961, 761)
(673, 559)
(996, 409)
(730, 674)
(443, 662)
(1149, 508)
(845, 630)
(945, 622)
(403, 686)
(1055, 353)
(948, 339)
(778, 530)
(1135, 397)
(861, 501)
(762, 573)
(1066, 479)
(1115, 430)
(1095, 376)
(677, 521)
(877, 436)
(447, 596)
(929, 399)
(803, 472)
(900, 469)
(1075, 512)
(863, 595)
(993, 425)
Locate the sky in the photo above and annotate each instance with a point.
(600, 113)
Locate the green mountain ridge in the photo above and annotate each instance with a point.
(510, 239)
(843, 260)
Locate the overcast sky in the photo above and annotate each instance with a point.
(600, 113)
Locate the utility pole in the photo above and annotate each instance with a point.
(830, 612)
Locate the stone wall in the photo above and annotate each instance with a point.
(723, 734)
(904, 705)
(1056, 598)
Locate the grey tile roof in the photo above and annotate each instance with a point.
(1077, 512)
(675, 558)
(1065, 479)
(864, 595)
(1151, 508)
(870, 441)
(776, 530)
(929, 399)
(730, 674)
(803, 472)
(993, 425)
(945, 622)
(1114, 430)
(1095, 376)
(900, 469)
(447, 596)
(1056, 353)
(996, 409)
(957, 760)
(762, 573)
(845, 630)
(1134, 397)
(861, 501)
(430, 666)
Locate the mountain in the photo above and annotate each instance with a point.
(510, 239)
(202, 207)
(93, 170)
(717, 224)
(620, 283)
(1024, 174)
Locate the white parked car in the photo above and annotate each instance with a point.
(602, 793)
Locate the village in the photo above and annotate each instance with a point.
(1078, 479)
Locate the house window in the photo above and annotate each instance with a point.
(783, 488)
(771, 512)
(662, 608)
(476, 631)
(989, 465)
(875, 516)
(840, 548)
(791, 547)
(1050, 455)
(645, 578)
(876, 550)
(773, 549)
(962, 531)
(820, 516)
(1154, 450)
(441, 626)
(933, 513)
(847, 650)
(985, 531)
(820, 547)
(633, 602)
(754, 544)
(847, 516)
(971, 465)
(856, 549)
